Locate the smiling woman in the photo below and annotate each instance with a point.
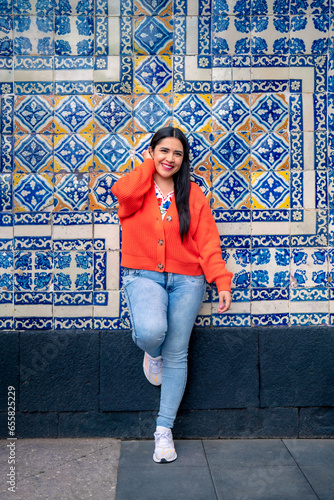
(170, 244)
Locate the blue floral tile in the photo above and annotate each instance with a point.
(6, 35)
(73, 153)
(33, 114)
(74, 35)
(33, 35)
(153, 8)
(73, 271)
(6, 153)
(270, 151)
(113, 114)
(5, 192)
(231, 112)
(71, 192)
(152, 112)
(6, 275)
(33, 271)
(270, 267)
(34, 153)
(153, 74)
(231, 151)
(153, 35)
(100, 195)
(112, 153)
(73, 114)
(309, 267)
(231, 189)
(192, 113)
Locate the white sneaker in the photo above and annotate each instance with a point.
(153, 369)
(164, 446)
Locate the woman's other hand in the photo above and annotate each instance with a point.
(148, 154)
(225, 300)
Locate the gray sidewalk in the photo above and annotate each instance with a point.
(62, 469)
(238, 469)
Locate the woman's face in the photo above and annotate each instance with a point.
(168, 157)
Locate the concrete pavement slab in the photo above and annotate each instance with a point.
(62, 469)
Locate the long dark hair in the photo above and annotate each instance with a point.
(181, 178)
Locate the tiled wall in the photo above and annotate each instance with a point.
(85, 83)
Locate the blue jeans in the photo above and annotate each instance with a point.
(163, 309)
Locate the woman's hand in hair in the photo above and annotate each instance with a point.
(148, 154)
(225, 300)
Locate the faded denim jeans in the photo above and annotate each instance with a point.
(163, 309)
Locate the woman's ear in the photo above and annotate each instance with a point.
(150, 150)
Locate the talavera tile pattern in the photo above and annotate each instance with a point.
(83, 86)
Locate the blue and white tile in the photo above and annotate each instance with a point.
(309, 267)
(33, 114)
(153, 35)
(33, 35)
(113, 114)
(73, 114)
(72, 231)
(74, 35)
(5, 192)
(270, 267)
(152, 112)
(32, 192)
(32, 231)
(7, 231)
(74, 75)
(34, 153)
(6, 35)
(6, 274)
(33, 75)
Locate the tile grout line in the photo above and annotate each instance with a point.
(301, 470)
(208, 465)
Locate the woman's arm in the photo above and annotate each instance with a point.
(132, 187)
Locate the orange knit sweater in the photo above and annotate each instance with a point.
(152, 243)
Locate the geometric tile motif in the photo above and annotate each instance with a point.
(270, 189)
(269, 113)
(33, 153)
(113, 114)
(100, 194)
(73, 152)
(231, 112)
(112, 152)
(71, 192)
(270, 152)
(152, 112)
(73, 114)
(33, 114)
(32, 192)
(153, 74)
(193, 113)
(153, 35)
(231, 190)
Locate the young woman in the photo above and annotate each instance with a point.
(170, 244)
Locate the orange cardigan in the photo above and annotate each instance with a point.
(152, 243)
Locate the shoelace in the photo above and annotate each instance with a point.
(155, 366)
(165, 436)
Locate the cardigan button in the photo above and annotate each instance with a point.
(160, 266)
(161, 242)
(169, 218)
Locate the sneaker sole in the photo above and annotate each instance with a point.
(164, 460)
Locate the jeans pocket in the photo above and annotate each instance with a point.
(196, 280)
(129, 275)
